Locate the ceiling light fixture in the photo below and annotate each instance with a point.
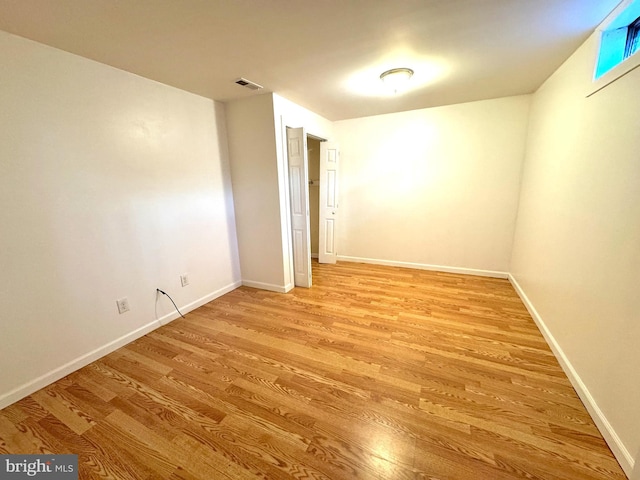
(396, 78)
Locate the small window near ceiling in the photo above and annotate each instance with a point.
(620, 39)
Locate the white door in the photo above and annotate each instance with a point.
(299, 195)
(329, 158)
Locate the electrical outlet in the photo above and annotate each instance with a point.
(184, 279)
(123, 305)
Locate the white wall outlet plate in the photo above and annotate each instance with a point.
(123, 305)
(184, 279)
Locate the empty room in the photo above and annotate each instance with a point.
(337, 239)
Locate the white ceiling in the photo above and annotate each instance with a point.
(325, 55)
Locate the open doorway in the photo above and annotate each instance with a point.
(312, 184)
(313, 156)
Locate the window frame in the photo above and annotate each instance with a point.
(629, 61)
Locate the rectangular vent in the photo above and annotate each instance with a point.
(248, 83)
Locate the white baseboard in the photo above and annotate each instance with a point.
(268, 286)
(635, 475)
(84, 360)
(617, 447)
(199, 302)
(423, 266)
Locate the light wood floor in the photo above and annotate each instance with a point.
(374, 373)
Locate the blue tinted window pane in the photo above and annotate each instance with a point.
(612, 47)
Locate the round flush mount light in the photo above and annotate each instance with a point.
(396, 78)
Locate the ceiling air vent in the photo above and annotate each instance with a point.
(248, 83)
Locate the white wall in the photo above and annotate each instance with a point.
(294, 115)
(111, 186)
(435, 187)
(255, 176)
(576, 253)
(257, 146)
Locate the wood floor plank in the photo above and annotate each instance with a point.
(53, 400)
(373, 373)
